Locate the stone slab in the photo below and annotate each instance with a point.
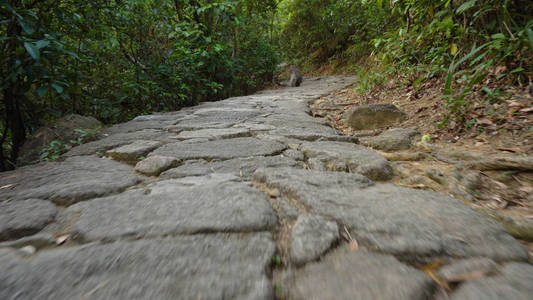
(359, 159)
(24, 217)
(155, 165)
(463, 269)
(189, 267)
(120, 139)
(360, 276)
(514, 282)
(220, 149)
(241, 167)
(414, 225)
(214, 133)
(392, 140)
(218, 117)
(130, 152)
(75, 179)
(311, 236)
(213, 203)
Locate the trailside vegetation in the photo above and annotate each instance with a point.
(467, 44)
(115, 59)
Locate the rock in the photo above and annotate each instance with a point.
(403, 156)
(392, 140)
(188, 267)
(285, 209)
(471, 180)
(75, 179)
(514, 282)
(313, 134)
(39, 240)
(241, 167)
(155, 165)
(130, 152)
(436, 175)
(219, 117)
(161, 117)
(255, 127)
(120, 139)
(359, 275)
(214, 134)
(373, 116)
(294, 154)
(303, 127)
(193, 167)
(63, 130)
(359, 159)
(317, 164)
(137, 125)
(25, 217)
(414, 225)
(28, 250)
(464, 185)
(311, 236)
(516, 223)
(220, 149)
(466, 269)
(213, 203)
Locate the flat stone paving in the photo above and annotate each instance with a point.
(258, 200)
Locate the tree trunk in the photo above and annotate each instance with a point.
(14, 124)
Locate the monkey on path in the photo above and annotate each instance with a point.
(295, 76)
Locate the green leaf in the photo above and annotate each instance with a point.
(27, 29)
(465, 6)
(58, 88)
(530, 37)
(418, 81)
(498, 36)
(32, 50)
(488, 91)
(519, 69)
(44, 155)
(42, 43)
(41, 91)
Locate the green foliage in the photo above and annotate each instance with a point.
(84, 136)
(54, 150)
(320, 29)
(118, 59)
(436, 38)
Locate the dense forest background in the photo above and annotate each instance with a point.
(117, 59)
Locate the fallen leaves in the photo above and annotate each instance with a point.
(353, 245)
(62, 239)
(431, 268)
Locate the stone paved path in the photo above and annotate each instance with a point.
(246, 198)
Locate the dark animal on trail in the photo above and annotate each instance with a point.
(295, 77)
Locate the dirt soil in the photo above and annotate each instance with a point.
(444, 158)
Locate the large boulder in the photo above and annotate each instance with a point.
(63, 130)
(373, 116)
